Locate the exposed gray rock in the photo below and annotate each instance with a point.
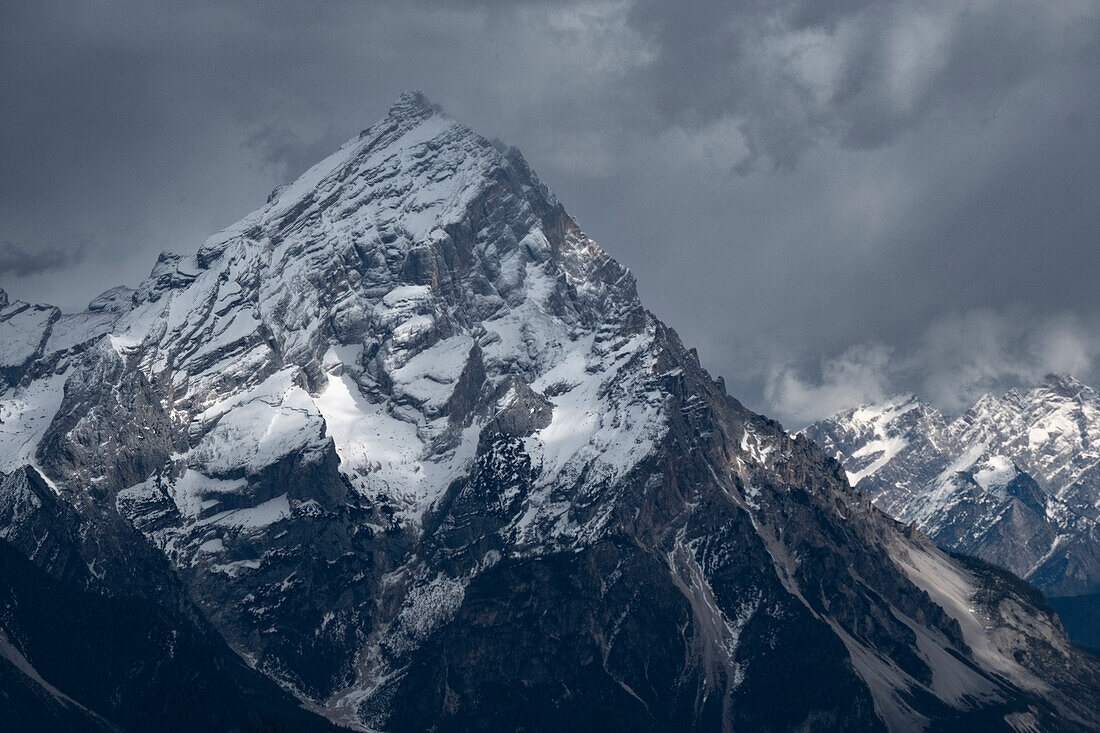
(523, 413)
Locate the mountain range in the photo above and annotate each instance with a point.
(402, 450)
(1014, 480)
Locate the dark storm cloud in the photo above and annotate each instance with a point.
(20, 260)
(286, 152)
(797, 70)
(813, 193)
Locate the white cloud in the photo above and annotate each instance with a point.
(856, 377)
(956, 360)
(719, 145)
(917, 49)
(964, 356)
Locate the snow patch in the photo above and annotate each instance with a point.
(23, 328)
(261, 426)
(26, 412)
(254, 517)
(995, 471)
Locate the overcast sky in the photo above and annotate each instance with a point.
(834, 201)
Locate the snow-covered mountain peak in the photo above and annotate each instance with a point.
(393, 288)
(886, 411)
(411, 168)
(396, 199)
(1014, 478)
(412, 105)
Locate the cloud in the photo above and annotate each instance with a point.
(22, 260)
(956, 360)
(287, 153)
(856, 377)
(799, 71)
(718, 145)
(964, 356)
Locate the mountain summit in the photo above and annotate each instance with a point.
(406, 439)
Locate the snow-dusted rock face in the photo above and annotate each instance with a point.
(407, 438)
(1014, 480)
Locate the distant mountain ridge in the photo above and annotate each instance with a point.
(1014, 480)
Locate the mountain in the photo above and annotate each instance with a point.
(406, 438)
(1014, 480)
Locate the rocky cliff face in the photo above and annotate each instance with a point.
(1013, 480)
(409, 441)
(73, 660)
